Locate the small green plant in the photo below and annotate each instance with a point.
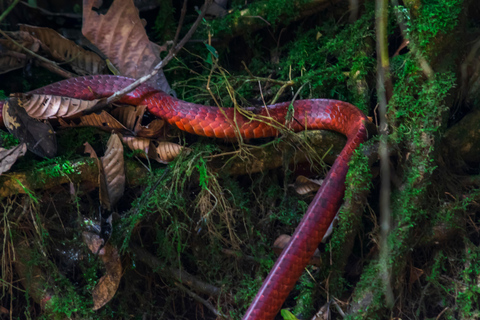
(287, 315)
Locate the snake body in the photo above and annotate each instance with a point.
(228, 123)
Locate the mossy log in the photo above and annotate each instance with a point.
(85, 171)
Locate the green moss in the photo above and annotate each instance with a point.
(433, 21)
(334, 59)
(8, 140)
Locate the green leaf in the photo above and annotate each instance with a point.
(287, 315)
(209, 59)
(212, 50)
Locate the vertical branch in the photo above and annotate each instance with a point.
(384, 92)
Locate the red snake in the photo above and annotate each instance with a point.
(208, 121)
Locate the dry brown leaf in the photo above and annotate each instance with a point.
(90, 151)
(121, 36)
(108, 284)
(103, 121)
(82, 61)
(9, 156)
(152, 130)
(130, 116)
(12, 57)
(23, 38)
(38, 136)
(136, 143)
(415, 274)
(160, 151)
(114, 169)
(11, 60)
(304, 185)
(282, 241)
(43, 106)
(102, 183)
(165, 151)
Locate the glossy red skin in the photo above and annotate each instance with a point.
(227, 123)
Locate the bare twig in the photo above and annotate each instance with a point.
(179, 275)
(196, 297)
(180, 23)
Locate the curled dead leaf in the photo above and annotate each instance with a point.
(136, 143)
(304, 185)
(9, 156)
(102, 183)
(160, 151)
(166, 151)
(152, 130)
(108, 284)
(130, 116)
(43, 106)
(114, 170)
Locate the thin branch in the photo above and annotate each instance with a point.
(177, 274)
(384, 92)
(197, 298)
(10, 8)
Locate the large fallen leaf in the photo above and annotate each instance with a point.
(9, 156)
(108, 283)
(114, 169)
(38, 136)
(103, 121)
(121, 36)
(44, 106)
(82, 61)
